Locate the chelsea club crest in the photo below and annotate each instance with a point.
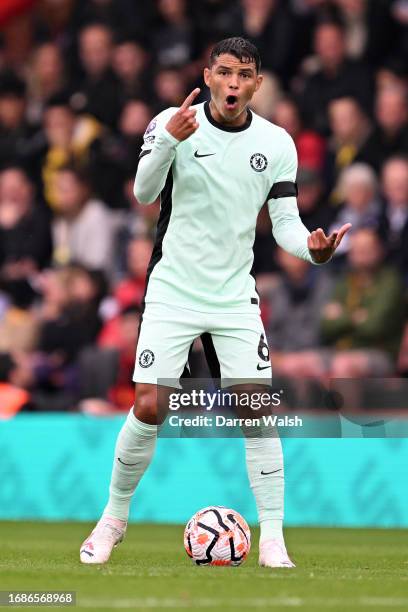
(258, 162)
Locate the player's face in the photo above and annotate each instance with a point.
(232, 84)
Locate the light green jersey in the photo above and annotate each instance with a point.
(212, 188)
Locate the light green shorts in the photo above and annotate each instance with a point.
(236, 343)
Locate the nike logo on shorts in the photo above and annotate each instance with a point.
(273, 472)
(258, 367)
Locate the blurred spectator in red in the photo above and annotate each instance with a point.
(310, 146)
(83, 229)
(130, 290)
(121, 394)
(350, 129)
(173, 37)
(13, 397)
(336, 76)
(11, 8)
(361, 205)
(96, 90)
(25, 237)
(394, 185)
(17, 32)
(46, 78)
(107, 370)
(390, 135)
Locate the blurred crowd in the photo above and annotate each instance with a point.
(79, 82)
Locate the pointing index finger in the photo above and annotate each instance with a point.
(340, 233)
(190, 99)
(343, 230)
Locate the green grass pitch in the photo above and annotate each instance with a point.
(337, 569)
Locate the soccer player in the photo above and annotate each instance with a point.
(214, 165)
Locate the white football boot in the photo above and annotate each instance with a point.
(272, 553)
(108, 533)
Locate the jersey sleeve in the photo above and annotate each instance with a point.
(155, 128)
(155, 159)
(287, 227)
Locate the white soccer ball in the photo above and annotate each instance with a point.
(217, 536)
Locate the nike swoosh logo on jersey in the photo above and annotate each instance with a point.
(258, 367)
(197, 154)
(123, 463)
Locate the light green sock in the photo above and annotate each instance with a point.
(133, 452)
(265, 472)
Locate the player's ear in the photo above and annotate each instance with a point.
(259, 80)
(207, 76)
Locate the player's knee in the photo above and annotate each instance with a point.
(145, 408)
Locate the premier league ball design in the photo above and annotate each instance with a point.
(217, 536)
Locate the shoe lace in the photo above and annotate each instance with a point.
(109, 532)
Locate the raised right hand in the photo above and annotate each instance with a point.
(183, 123)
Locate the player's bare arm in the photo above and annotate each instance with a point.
(183, 123)
(322, 247)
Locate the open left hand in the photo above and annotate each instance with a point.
(322, 247)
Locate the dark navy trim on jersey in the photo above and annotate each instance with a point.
(226, 128)
(143, 153)
(166, 204)
(162, 225)
(285, 189)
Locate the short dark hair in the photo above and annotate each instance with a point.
(11, 85)
(81, 174)
(241, 48)
(59, 99)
